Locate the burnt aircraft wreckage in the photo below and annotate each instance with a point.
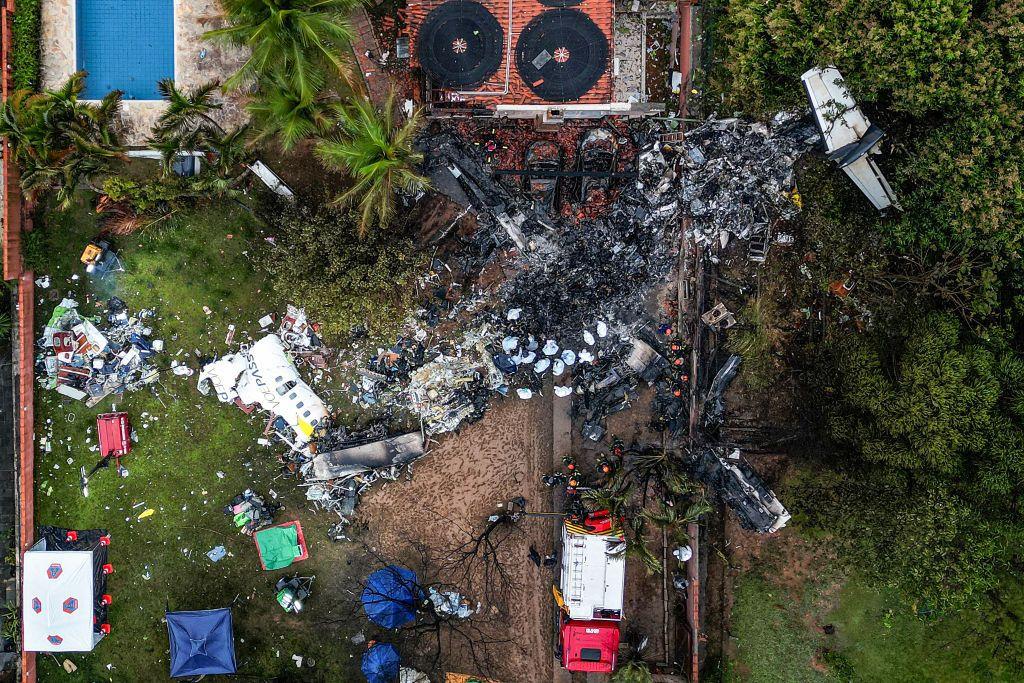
(572, 305)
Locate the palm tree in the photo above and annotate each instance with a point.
(187, 112)
(636, 544)
(294, 39)
(633, 672)
(377, 152)
(60, 141)
(674, 520)
(633, 666)
(278, 110)
(187, 125)
(662, 471)
(230, 151)
(227, 162)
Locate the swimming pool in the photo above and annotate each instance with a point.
(125, 45)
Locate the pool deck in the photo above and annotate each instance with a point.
(192, 19)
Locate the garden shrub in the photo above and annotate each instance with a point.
(25, 45)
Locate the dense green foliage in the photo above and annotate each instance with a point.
(279, 111)
(344, 278)
(143, 196)
(944, 77)
(936, 419)
(917, 378)
(25, 45)
(187, 125)
(60, 141)
(299, 52)
(935, 402)
(377, 151)
(632, 672)
(776, 629)
(157, 197)
(299, 41)
(755, 340)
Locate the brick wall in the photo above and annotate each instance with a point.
(15, 221)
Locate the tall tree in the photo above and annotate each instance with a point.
(297, 40)
(188, 125)
(60, 141)
(187, 112)
(377, 152)
(278, 110)
(934, 401)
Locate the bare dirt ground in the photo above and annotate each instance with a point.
(452, 491)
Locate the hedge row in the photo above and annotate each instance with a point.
(25, 43)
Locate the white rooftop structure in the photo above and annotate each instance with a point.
(850, 139)
(593, 575)
(57, 601)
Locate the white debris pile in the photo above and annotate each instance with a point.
(90, 358)
(264, 375)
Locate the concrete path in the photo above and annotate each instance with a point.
(368, 52)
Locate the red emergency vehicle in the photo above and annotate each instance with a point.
(591, 593)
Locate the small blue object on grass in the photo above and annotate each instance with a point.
(391, 596)
(217, 554)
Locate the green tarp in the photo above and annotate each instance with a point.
(279, 546)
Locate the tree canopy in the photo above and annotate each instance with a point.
(320, 260)
(59, 140)
(943, 77)
(377, 150)
(299, 41)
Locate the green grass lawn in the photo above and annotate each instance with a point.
(193, 455)
(772, 642)
(779, 636)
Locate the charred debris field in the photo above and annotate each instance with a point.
(519, 400)
(569, 307)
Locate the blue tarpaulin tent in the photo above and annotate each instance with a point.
(381, 663)
(391, 596)
(202, 642)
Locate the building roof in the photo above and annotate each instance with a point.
(532, 37)
(592, 579)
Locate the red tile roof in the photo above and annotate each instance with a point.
(601, 12)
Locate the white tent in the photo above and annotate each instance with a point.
(57, 600)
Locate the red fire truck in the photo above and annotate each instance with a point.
(591, 593)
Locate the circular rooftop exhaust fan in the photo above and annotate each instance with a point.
(460, 44)
(561, 54)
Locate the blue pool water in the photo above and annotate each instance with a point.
(125, 45)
